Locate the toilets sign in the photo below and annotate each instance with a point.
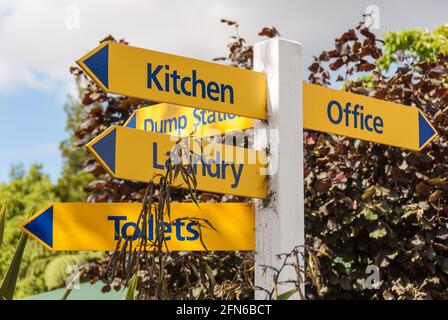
(365, 118)
(98, 226)
(162, 77)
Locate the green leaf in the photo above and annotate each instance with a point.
(286, 295)
(393, 255)
(370, 215)
(9, 282)
(130, 294)
(2, 222)
(368, 193)
(409, 213)
(378, 233)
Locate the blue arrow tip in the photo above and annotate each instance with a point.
(425, 132)
(131, 123)
(105, 148)
(42, 226)
(98, 63)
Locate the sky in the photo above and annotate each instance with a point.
(41, 39)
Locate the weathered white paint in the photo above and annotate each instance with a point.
(280, 224)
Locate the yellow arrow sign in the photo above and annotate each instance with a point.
(131, 154)
(98, 226)
(182, 121)
(365, 118)
(163, 77)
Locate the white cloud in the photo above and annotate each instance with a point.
(40, 48)
(37, 48)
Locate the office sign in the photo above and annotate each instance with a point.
(365, 118)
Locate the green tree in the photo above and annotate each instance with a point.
(70, 185)
(373, 205)
(24, 191)
(41, 269)
(421, 44)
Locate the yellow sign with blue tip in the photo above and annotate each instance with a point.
(162, 77)
(131, 154)
(365, 118)
(98, 226)
(183, 121)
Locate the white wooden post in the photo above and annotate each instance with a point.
(280, 222)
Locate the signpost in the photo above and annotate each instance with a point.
(365, 118)
(183, 121)
(98, 226)
(219, 97)
(162, 77)
(132, 154)
(279, 220)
